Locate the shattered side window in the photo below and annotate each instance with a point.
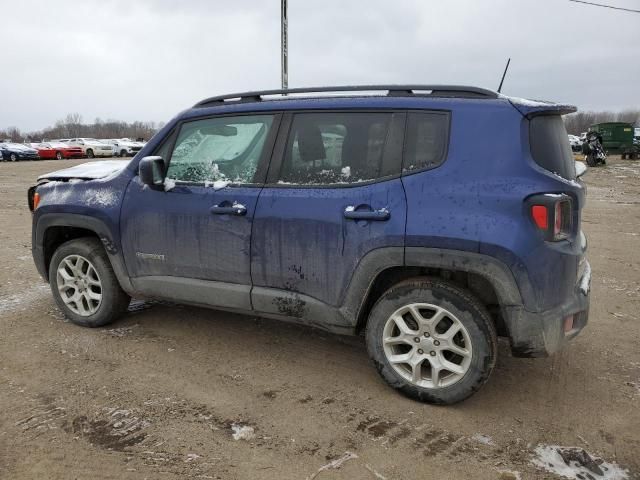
(219, 149)
(334, 148)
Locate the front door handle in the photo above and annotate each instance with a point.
(225, 208)
(380, 215)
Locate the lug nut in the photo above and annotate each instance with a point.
(417, 339)
(432, 353)
(426, 334)
(436, 343)
(420, 351)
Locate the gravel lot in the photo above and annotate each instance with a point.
(161, 393)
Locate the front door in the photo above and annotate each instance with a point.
(191, 240)
(334, 194)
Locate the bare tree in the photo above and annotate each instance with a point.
(579, 122)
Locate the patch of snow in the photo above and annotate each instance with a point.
(575, 463)
(483, 439)
(379, 476)
(191, 457)
(334, 464)
(220, 184)
(526, 102)
(585, 282)
(22, 301)
(90, 170)
(350, 208)
(100, 198)
(346, 172)
(169, 184)
(242, 432)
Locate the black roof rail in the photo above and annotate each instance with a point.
(453, 91)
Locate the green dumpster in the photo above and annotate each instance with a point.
(617, 136)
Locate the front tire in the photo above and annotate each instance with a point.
(432, 340)
(59, 156)
(13, 157)
(84, 285)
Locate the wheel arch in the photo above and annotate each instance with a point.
(52, 230)
(489, 279)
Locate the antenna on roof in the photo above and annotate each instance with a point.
(284, 44)
(504, 74)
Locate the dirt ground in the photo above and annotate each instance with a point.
(161, 393)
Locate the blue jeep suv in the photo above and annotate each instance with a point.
(430, 219)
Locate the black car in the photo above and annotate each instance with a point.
(16, 151)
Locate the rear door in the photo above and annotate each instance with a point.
(191, 240)
(334, 194)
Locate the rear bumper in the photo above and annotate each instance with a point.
(539, 334)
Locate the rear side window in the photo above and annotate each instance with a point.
(333, 147)
(550, 145)
(426, 141)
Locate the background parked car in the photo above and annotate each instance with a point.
(16, 151)
(91, 147)
(575, 142)
(57, 150)
(124, 147)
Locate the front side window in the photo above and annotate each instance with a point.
(333, 148)
(219, 149)
(426, 141)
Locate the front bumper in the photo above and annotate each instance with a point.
(540, 334)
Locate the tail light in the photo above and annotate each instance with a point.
(552, 214)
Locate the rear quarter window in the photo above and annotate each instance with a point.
(550, 147)
(426, 141)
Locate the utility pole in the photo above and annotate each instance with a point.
(284, 44)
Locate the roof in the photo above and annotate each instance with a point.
(371, 96)
(446, 91)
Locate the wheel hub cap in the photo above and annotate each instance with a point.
(427, 345)
(79, 285)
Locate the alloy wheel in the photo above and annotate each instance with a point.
(79, 285)
(427, 345)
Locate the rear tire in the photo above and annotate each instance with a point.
(90, 153)
(84, 285)
(447, 348)
(123, 153)
(59, 156)
(13, 157)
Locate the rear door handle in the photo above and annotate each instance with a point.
(379, 215)
(225, 209)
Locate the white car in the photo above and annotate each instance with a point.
(124, 147)
(91, 147)
(575, 142)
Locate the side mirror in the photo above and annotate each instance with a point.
(152, 171)
(581, 168)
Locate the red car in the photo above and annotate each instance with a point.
(58, 151)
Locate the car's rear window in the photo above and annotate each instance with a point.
(550, 145)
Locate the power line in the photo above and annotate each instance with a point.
(606, 6)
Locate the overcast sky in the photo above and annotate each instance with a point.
(148, 59)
